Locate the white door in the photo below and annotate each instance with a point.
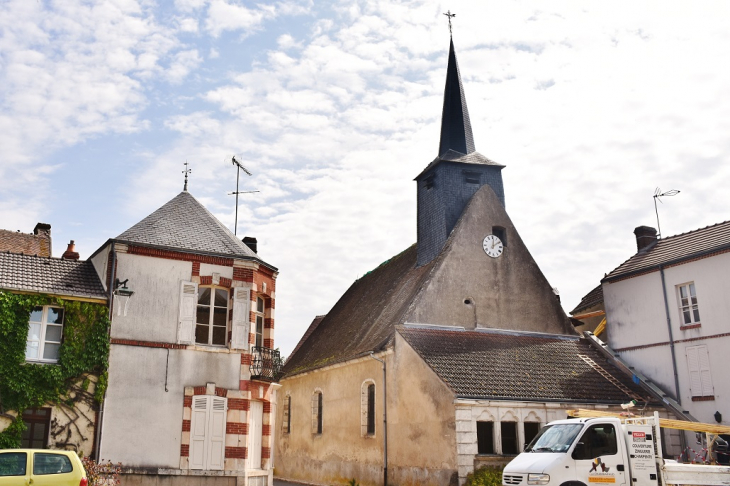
(254, 437)
(208, 432)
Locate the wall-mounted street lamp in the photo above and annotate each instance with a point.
(121, 290)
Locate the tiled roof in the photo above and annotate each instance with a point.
(315, 323)
(495, 364)
(28, 244)
(184, 224)
(364, 318)
(592, 298)
(56, 276)
(676, 248)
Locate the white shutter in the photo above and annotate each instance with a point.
(188, 303)
(256, 412)
(217, 434)
(693, 365)
(704, 367)
(198, 429)
(239, 331)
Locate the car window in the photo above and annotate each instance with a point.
(13, 463)
(44, 463)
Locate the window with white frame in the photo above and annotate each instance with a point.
(45, 330)
(689, 311)
(317, 412)
(367, 408)
(700, 379)
(211, 320)
(260, 313)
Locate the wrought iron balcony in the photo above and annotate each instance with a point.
(265, 364)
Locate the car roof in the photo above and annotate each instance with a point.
(50, 451)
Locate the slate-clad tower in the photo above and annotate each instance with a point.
(452, 178)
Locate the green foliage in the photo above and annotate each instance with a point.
(85, 349)
(352, 482)
(485, 476)
(10, 437)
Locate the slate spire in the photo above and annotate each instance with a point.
(455, 125)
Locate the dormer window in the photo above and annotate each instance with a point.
(211, 319)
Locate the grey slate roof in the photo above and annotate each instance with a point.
(592, 298)
(364, 318)
(72, 278)
(455, 124)
(452, 156)
(675, 249)
(184, 224)
(501, 365)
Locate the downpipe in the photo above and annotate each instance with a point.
(385, 422)
(112, 277)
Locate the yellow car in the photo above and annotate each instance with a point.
(41, 467)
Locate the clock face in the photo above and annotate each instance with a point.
(492, 246)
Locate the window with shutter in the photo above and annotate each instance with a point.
(700, 379)
(188, 301)
(240, 321)
(689, 311)
(211, 317)
(208, 432)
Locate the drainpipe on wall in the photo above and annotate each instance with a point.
(671, 338)
(385, 423)
(112, 277)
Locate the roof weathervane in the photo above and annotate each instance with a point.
(186, 172)
(658, 194)
(450, 15)
(239, 168)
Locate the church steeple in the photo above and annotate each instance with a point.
(455, 125)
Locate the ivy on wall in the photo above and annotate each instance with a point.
(84, 351)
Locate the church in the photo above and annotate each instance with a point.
(451, 354)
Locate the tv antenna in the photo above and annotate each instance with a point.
(187, 171)
(239, 168)
(658, 194)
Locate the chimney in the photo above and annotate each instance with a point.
(43, 232)
(645, 237)
(70, 253)
(250, 242)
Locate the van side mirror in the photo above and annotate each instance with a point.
(580, 451)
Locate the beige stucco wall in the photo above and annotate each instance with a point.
(508, 292)
(421, 427)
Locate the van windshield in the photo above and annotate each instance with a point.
(554, 438)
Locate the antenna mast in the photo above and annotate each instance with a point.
(239, 167)
(657, 195)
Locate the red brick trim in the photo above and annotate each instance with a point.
(245, 359)
(268, 323)
(147, 344)
(221, 392)
(237, 428)
(196, 269)
(186, 426)
(251, 338)
(236, 453)
(267, 406)
(691, 326)
(272, 302)
(244, 385)
(666, 343)
(185, 450)
(176, 255)
(708, 398)
(237, 404)
(266, 430)
(199, 390)
(243, 275)
(269, 343)
(206, 280)
(188, 402)
(265, 452)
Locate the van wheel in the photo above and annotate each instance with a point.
(572, 483)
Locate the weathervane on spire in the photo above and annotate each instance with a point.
(450, 15)
(186, 172)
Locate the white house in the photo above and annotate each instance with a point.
(667, 314)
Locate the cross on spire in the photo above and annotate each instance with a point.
(186, 172)
(450, 15)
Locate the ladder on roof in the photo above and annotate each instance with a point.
(608, 376)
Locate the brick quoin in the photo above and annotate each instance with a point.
(236, 428)
(243, 275)
(244, 385)
(221, 392)
(271, 303)
(266, 453)
(225, 282)
(245, 359)
(185, 450)
(206, 280)
(186, 426)
(199, 390)
(269, 343)
(176, 255)
(188, 402)
(196, 269)
(266, 430)
(267, 406)
(268, 323)
(237, 404)
(236, 453)
(251, 338)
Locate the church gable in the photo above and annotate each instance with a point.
(469, 288)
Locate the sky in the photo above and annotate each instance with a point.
(335, 107)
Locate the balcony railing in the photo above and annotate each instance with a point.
(265, 364)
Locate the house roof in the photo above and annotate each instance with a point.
(72, 278)
(456, 132)
(450, 156)
(499, 365)
(675, 249)
(184, 224)
(591, 299)
(315, 323)
(28, 244)
(364, 318)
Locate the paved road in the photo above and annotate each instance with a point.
(281, 482)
